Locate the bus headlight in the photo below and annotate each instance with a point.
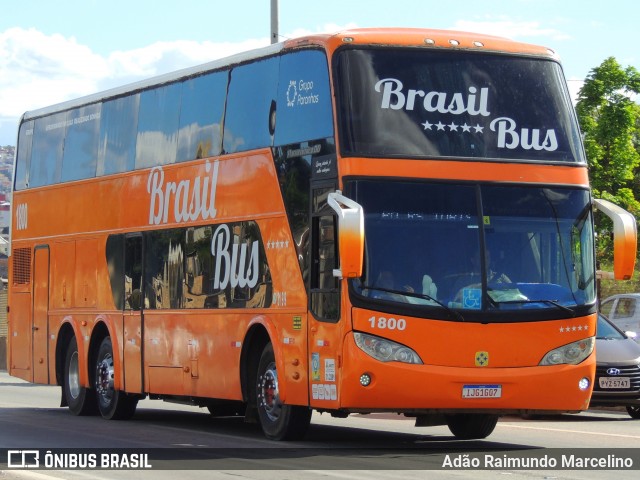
(385, 350)
(572, 353)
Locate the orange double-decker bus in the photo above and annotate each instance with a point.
(372, 221)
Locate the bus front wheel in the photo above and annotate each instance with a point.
(81, 400)
(469, 426)
(278, 421)
(113, 404)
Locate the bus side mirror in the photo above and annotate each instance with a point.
(624, 238)
(350, 235)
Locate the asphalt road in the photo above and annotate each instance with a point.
(362, 446)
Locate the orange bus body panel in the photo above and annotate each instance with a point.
(197, 347)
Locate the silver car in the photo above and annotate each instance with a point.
(617, 380)
(623, 310)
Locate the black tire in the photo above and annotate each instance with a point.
(113, 404)
(469, 426)
(81, 400)
(278, 421)
(634, 411)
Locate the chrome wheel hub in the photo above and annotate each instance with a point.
(268, 393)
(104, 378)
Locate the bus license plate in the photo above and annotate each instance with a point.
(481, 391)
(615, 382)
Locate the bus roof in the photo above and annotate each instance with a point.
(364, 36)
(419, 37)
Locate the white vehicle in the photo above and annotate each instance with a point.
(623, 310)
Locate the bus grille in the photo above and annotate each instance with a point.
(22, 266)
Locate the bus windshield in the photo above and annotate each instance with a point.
(419, 103)
(476, 247)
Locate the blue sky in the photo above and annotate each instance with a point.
(52, 51)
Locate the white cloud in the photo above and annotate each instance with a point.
(163, 57)
(327, 28)
(38, 70)
(509, 28)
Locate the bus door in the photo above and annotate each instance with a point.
(325, 329)
(133, 367)
(39, 319)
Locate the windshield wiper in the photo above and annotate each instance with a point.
(550, 302)
(458, 316)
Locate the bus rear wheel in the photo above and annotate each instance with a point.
(469, 426)
(81, 400)
(113, 404)
(278, 421)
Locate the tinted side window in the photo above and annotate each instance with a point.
(304, 98)
(115, 263)
(164, 269)
(158, 126)
(81, 143)
(226, 267)
(626, 308)
(605, 308)
(252, 91)
(48, 145)
(219, 266)
(203, 100)
(25, 138)
(118, 127)
(324, 287)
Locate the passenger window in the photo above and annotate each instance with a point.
(252, 93)
(164, 269)
(24, 156)
(304, 109)
(81, 143)
(203, 100)
(158, 121)
(47, 148)
(118, 127)
(226, 267)
(115, 264)
(133, 273)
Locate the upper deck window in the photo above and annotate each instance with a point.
(417, 103)
(158, 124)
(252, 94)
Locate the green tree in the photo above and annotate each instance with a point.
(610, 120)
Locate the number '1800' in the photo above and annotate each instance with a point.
(388, 323)
(21, 216)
